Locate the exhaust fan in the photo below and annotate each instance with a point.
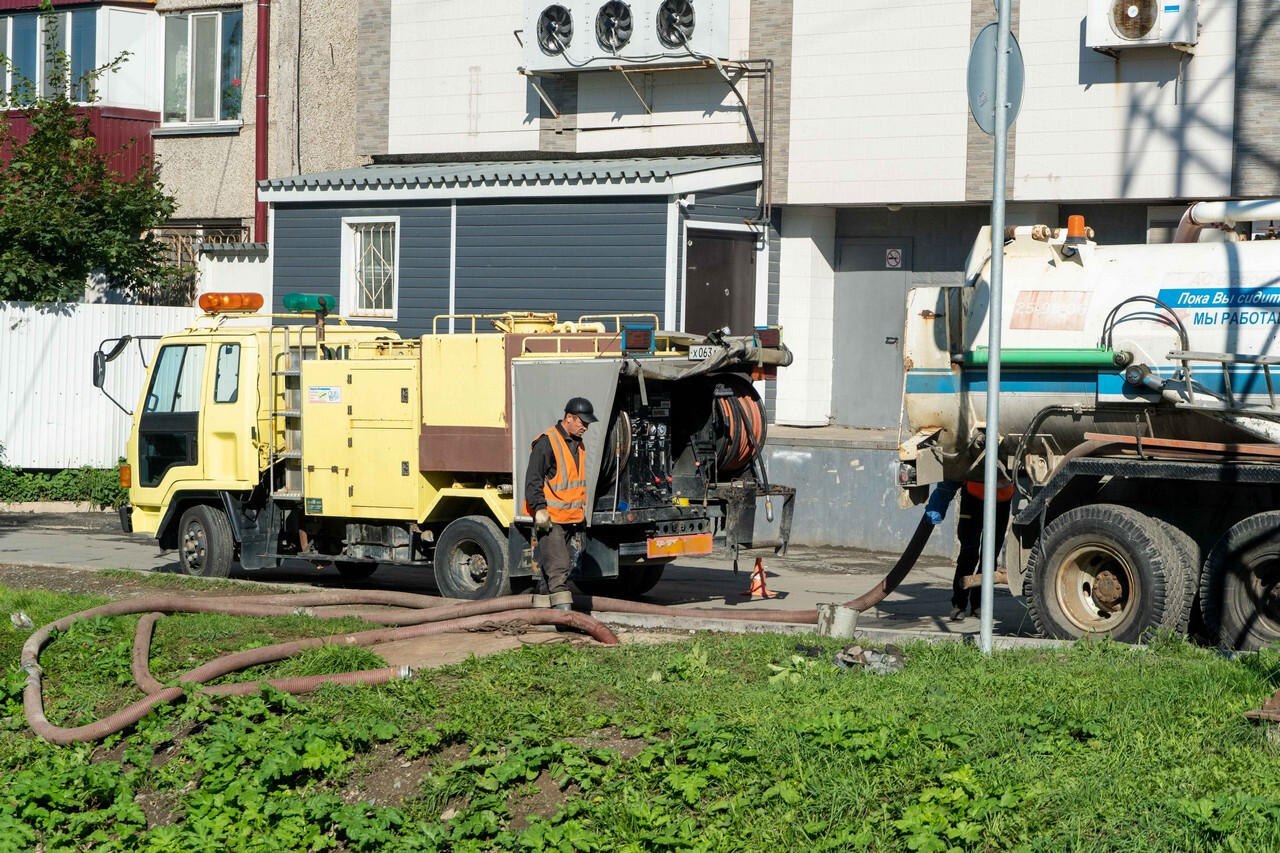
(675, 23)
(614, 25)
(555, 29)
(1115, 24)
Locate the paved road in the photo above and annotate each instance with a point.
(804, 578)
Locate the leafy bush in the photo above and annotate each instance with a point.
(97, 486)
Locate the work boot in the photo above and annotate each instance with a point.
(957, 614)
(562, 600)
(541, 600)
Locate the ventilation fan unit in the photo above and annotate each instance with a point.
(1117, 24)
(614, 26)
(677, 24)
(553, 31)
(584, 35)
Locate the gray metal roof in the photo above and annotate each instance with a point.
(515, 174)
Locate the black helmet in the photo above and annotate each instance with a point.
(581, 407)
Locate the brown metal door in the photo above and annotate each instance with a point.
(720, 282)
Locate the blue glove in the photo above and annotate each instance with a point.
(936, 509)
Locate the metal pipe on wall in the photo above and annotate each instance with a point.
(260, 119)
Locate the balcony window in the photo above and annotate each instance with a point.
(202, 59)
(33, 43)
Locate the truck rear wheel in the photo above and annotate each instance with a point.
(1103, 569)
(1240, 588)
(471, 559)
(354, 571)
(205, 545)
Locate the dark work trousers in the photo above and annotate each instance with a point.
(969, 532)
(554, 558)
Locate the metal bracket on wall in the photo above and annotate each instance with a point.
(546, 99)
(643, 102)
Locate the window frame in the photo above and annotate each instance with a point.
(66, 20)
(231, 347)
(347, 299)
(191, 16)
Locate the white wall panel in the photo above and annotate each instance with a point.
(878, 107)
(1152, 124)
(51, 416)
(454, 84)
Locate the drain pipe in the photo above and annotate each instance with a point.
(260, 121)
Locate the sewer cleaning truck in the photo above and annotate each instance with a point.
(260, 439)
(1138, 417)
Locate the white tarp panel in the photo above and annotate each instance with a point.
(539, 390)
(51, 416)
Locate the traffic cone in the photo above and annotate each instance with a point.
(758, 588)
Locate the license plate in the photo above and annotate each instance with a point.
(689, 545)
(702, 352)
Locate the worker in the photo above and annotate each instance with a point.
(555, 494)
(969, 532)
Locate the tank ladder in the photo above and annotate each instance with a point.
(1225, 360)
(287, 352)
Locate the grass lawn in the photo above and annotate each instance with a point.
(692, 745)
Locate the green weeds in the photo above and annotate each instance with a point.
(739, 743)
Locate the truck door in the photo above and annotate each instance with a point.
(169, 426)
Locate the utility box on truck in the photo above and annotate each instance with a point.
(341, 444)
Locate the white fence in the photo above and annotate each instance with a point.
(51, 416)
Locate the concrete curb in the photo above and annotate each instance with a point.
(31, 507)
(688, 621)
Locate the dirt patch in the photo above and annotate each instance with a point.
(386, 777)
(161, 808)
(540, 798)
(611, 737)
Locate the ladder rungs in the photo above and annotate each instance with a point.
(287, 495)
(287, 413)
(289, 454)
(286, 373)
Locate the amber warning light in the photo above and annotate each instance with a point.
(1075, 226)
(214, 303)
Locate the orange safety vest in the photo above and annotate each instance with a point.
(1004, 489)
(566, 491)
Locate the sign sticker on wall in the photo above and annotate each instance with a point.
(893, 259)
(324, 394)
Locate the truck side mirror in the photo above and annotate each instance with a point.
(99, 369)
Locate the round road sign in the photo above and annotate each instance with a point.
(982, 79)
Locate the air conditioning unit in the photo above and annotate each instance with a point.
(1117, 24)
(582, 35)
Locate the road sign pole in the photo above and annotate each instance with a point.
(994, 321)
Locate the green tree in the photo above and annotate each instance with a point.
(66, 210)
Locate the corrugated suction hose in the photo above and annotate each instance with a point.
(422, 616)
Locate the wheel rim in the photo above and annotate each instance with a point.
(468, 565)
(1097, 588)
(1263, 585)
(195, 547)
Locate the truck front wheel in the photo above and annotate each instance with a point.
(471, 559)
(1240, 589)
(1104, 569)
(205, 546)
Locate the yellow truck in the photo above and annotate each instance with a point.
(264, 438)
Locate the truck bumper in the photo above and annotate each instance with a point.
(126, 518)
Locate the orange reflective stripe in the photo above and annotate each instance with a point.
(566, 491)
(977, 488)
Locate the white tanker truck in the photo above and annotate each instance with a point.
(1138, 415)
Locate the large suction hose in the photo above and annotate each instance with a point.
(425, 616)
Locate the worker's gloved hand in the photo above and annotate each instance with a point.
(542, 520)
(936, 509)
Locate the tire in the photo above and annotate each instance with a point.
(1184, 580)
(355, 571)
(1104, 569)
(1240, 587)
(644, 578)
(471, 559)
(205, 546)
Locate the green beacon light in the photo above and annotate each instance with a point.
(299, 303)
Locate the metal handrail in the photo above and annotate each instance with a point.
(1225, 360)
(618, 318)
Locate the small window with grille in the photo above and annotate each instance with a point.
(370, 269)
